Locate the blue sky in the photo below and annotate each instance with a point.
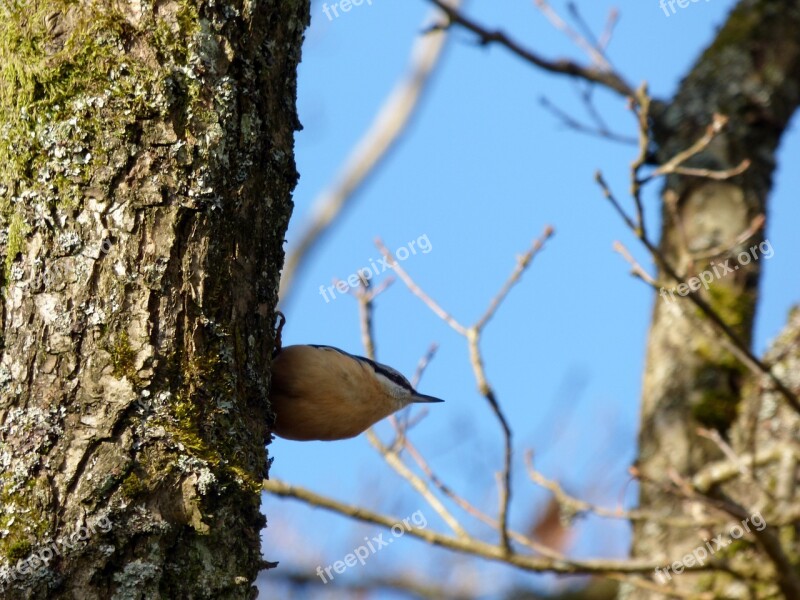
(481, 171)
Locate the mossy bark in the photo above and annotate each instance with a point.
(146, 172)
(751, 74)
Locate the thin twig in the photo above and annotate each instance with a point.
(365, 294)
(721, 471)
(522, 264)
(785, 576)
(577, 505)
(472, 546)
(718, 123)
(390, 455)
(716, 175)
(418, 292)
(473, 339)
(587, 32)
(578, 39)
(725, 447)
(300, 580)
(608, 32)
(572, 123)
(389, 125)
(598, 177)
(641, 109)
(755, 225)
(636, 268)
(423, 364)
(470, 509)
(393, 459)
(745, 469)
(713, 326)
(740, 349)
(609, 79)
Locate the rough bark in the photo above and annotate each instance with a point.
(146, 171)
(751, 73)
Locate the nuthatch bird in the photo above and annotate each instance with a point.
(323, 393)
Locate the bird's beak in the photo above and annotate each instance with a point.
(424, 398)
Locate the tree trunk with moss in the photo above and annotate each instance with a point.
(146, 171)
(751, 74)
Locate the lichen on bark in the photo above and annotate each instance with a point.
(146, 174)
(750, 74)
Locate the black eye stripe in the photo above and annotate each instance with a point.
(391, 375)
(387, 372)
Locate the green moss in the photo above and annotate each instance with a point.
(712, 353)
(734, 548)
(203, 428)
(733, 306)
(17, 231)
(133, 487)
(22, 516)
(185, 428)
(40, 75)
(123, 357)
(62, 97)
(719, 382)
(788, 537)
(173, 44)
(18, 549)
(715, 410)
(722, 375)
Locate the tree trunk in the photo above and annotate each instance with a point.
(146, 172)
(751, 74)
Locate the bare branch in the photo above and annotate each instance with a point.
(417, 291)
(423, 364)
(606, 78)
(716, 175)
(608, 32)
(597, 57)
(577, 505)
(393, 459)
(473, 546)
(389, 125)
(522, 264)
(636, 268)
(390, 455)
(729, 336)
(724, 470)
(473, 339)
(716, 127)
(572, 123)
(756, 224)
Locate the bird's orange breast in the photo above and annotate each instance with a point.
(321, 394)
